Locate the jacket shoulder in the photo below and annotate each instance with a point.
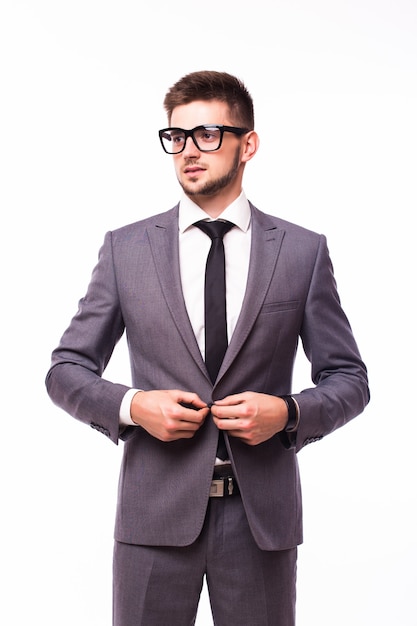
(268, 221)
(162, 219)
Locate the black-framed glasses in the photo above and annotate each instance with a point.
(207, 138)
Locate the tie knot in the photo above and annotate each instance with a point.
(216, 229)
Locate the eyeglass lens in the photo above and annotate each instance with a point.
(207, 138)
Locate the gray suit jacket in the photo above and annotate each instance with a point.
(291, 294)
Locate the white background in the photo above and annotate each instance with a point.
(335, 91)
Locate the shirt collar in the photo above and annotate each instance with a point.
(237, 212)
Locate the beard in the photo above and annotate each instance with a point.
(212, 187)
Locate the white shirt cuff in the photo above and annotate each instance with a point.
(124, 414)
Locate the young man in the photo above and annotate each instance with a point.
(186, 510)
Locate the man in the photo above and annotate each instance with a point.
(185, 509)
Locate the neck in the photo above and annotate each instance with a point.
(214, 205)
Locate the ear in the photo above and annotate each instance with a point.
(250, 146)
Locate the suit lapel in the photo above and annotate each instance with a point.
(265, 248)
(163, 238)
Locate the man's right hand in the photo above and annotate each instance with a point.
(165, 414)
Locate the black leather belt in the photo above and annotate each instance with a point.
(224, 483)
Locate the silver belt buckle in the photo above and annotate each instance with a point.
(217, 489)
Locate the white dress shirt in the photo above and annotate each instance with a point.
(194, 246)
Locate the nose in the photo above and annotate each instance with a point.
(190, 149)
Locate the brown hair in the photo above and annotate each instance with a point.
(209, 85)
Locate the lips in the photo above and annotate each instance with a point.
(193, 169)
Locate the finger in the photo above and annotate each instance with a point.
(190, 400)
(228, 423)
(232, 400)
(227, 411)
(179, 427)
(193, 415)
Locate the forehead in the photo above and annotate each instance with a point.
(200, 112)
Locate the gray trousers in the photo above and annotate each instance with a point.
(161, 586)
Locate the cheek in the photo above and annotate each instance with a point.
(177, 166)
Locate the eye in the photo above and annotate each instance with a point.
(208, 135)
(177, 138)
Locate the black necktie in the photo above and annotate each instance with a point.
(215, 304)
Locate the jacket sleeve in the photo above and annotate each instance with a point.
(74, 380)
(341, 389)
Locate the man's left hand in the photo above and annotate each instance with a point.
(251, 417)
